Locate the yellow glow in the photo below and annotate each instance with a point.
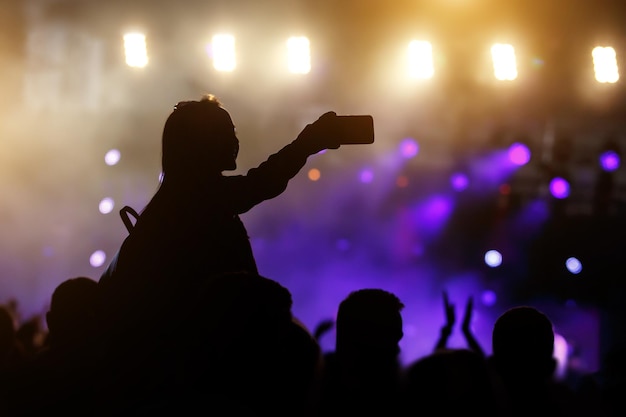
(420, 56)
(223, 46)
(605, 64)
(314, 174)
(135, 50)
(298, 55)
(504, 62)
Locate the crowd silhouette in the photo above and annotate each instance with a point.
(182, 322)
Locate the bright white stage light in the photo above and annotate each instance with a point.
(112, 157)
(97, 259)
(135, 50)
(504, 62)
(223, 49)
(493, 258)
(106, 205)
(298, 55)
(573, 265)
(420, 56)
(605, 64)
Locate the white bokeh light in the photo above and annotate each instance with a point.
(106, 205)
(299, 55)
(97, 258)
(493, 258)
(573, 265)
(504, 62)
(112, 157)
(135, 50)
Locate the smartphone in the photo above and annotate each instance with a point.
(354, 129)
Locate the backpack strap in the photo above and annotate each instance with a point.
(124, 212)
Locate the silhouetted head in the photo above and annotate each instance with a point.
(72, 309)
(198, 139)
(523, 343)
(370, 321)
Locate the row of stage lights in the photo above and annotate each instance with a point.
(420, 62)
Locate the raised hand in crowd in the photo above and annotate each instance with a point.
(466, 328)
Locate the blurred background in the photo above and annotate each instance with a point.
(495, 173)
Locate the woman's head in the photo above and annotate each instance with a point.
(198, 139)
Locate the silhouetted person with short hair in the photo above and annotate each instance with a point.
(362, 375)
(61, 377)
(524, 364)
(71, 316)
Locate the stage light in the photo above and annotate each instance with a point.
(519, 154)
(488, 298)
(493, 258)
(610, 155)
(459, 181)
(223, 52)
(429, 217)
(97, 259)
(504, 62)
(573, 265)
(135, 50)
(609, 160)
(366, 175)
(605, 64)
(409, 148)
(112, 157)
(420, 58)
(298, 55)
(559, 187)
(314, 174)
(106, 205)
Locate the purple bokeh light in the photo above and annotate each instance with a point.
(459, 181)
(559, 187)
(409, 148)
(491, 170)
(366, 176)
(609, 160)
(519, 154)
(488, 298)
(432, 214)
